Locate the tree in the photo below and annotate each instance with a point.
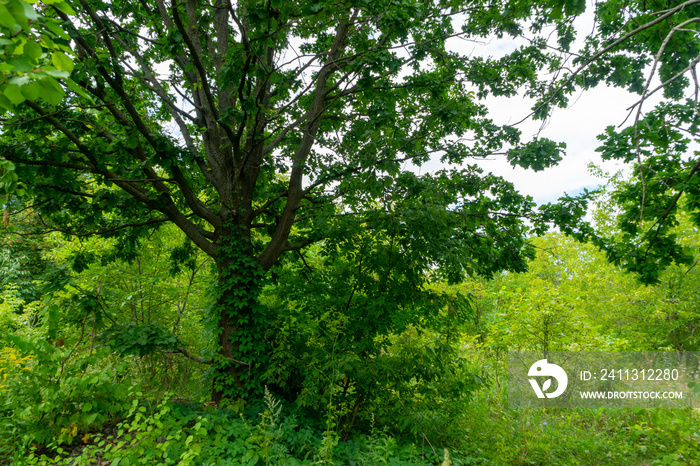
(353, 337)
(652, 49)
(570, 299)
(261, 127)
(147, 309)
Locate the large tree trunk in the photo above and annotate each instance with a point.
(241, 355)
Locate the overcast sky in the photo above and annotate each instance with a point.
(578, 125)
(587, 116)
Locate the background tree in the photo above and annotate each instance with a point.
(148, 310)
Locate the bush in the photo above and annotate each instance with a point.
(172, 433)
(51, 395)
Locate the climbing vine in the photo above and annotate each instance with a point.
(241, 353)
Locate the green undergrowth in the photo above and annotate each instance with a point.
(497, 435)
(189, 434)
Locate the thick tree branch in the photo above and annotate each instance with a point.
(295, 192)
(196, 60)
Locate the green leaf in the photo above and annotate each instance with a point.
(22, 11)
(5, 103)
(56, 29)
(29, 12)
(57, 73)
(22, 64)
(64, 7)
(32, 91)
(14, 94)
(33, 50)
(20, 80)
(61, 61)
(53, 92)
(70, 84)
(6, 19)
